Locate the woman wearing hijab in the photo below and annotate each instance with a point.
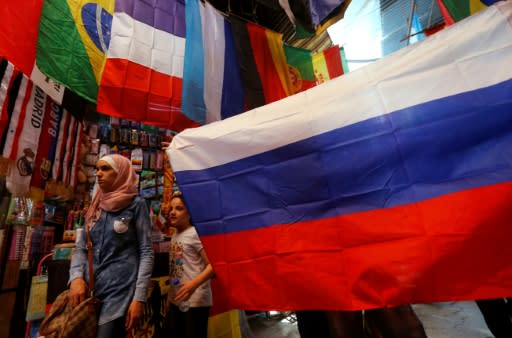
(120, 231)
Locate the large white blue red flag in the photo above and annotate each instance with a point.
(389, 185)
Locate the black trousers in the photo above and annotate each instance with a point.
(497, 315)
(190, 324)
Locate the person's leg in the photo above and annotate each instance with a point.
(345, 324)
(312, 324)
(396, 322)
(112, 329)
(496, 316)
(175, 322)
(196, 322)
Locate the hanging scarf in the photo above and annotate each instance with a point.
(123, 193)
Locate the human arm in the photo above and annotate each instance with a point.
(189, 286)
(77, 283)
(145, 251)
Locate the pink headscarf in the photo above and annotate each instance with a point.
(124, 189)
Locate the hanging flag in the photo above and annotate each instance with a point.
(73, 39)
(382, 187)
(61, 145)
(327, 64)
(142, 78)
(69, 150)
(212, 86)
(263, 66)
(193, 105)
(75, 164)
(344, 63)
(47, 144)
(12, 133)
(456, 10)
(314, 16)
(8, 92)
(223, 96)
(19, 21)
(300, 68)
(23, 146)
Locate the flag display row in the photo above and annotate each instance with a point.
(173, 64)
(38, 136)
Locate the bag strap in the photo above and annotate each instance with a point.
(90, 258)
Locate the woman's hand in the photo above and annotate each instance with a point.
(135, 311)
(77, 291)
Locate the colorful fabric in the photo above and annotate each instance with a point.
(456, 10)
(24, 133)
(8, 94)
(47, 144)
(74, 36)
(193, 105)
(16, 120)
(379, 188)
(300, 67)
(223, 96)
(18, 32)
(263, 66)
(61, 145)
(327, 64)
(310, 14)
(142, 78)
(212, 86)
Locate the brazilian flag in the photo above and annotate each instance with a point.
(72, 43)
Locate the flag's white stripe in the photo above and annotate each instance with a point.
(15, 118)
(147, 46)
(213, 37)
(472, 54)
(214, 48)
(4, 86)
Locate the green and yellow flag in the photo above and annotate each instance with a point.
(73, 40)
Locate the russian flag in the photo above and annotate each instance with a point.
(142, 78)
(389, 185)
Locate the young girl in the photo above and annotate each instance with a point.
(191, 271)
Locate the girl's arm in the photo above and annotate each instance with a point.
(188, 287)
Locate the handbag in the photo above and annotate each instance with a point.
(36, 307)
(81, 321)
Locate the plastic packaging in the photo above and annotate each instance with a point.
(183, 305)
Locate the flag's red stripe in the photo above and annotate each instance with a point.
(461, 250)
(269, 76)
(19, 25)
(333, 61)
(134, 92)
(446, 14)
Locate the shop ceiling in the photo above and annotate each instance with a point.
(269, 14)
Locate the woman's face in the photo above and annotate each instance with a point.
(105, 175)
(178, 214)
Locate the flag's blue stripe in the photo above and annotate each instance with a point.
(232, 90)
(167, 16)
(435, 148)
(193, 105)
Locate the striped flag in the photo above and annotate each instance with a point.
(22, 141)
(456, 10)
(212, 86)
(327, 64)
(382, 187)
(142, 78)
(263, 66)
